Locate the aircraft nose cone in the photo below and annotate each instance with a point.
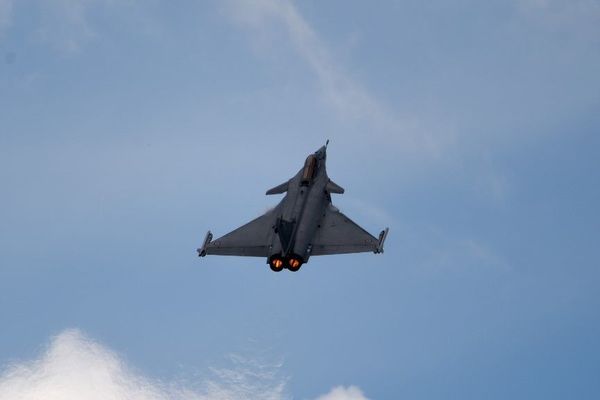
(321, 153)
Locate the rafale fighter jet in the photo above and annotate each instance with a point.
(303, 224)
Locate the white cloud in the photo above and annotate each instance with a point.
(344, 393)
(75, 367)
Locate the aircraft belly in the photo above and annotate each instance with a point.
(309, 222)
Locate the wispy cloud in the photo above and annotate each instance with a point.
(348, 98)
(75, 367)
(345, 95)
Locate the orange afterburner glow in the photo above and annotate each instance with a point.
(294, 263)
(276, 263)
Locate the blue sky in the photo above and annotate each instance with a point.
(129, 128)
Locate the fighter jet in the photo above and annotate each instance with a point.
(303, 224)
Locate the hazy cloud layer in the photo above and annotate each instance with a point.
(65, 24)
(580, 10)
(75, 367)
(6, 7)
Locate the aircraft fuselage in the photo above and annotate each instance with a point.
(302, 209)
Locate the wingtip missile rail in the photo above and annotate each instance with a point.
(382, 236)
(202, 250)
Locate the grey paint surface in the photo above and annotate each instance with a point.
(303, 224)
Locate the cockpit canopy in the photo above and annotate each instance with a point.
(310, 166)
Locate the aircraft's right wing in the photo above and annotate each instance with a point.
(338, 234)
(251, 239)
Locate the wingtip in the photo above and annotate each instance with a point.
(202, 250)
(382, 236)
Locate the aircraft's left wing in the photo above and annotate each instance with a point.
(251, 239)
(338, 234)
